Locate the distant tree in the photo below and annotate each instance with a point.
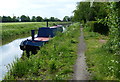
(66, 18)
(56, 19)
(39, 19)
(52, 19)
(24, 18)
(28, 19)
(18, 19)
(33, 19)
(0, 19)
(15, 19)
(9, 19)
(82, 11)
(6, 19)
(46, 19)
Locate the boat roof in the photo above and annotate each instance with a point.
(55, 26)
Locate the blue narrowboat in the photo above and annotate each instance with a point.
(43, 36)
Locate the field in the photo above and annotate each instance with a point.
(54, 61)
(11, 31)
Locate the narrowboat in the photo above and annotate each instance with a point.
(43, 36)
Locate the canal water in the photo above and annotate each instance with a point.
(8, 54)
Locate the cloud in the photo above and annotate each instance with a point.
(44, 8)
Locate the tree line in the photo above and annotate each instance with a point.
(87, 12)
(24, 18)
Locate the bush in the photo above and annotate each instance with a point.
(94, 26)
(101, 28)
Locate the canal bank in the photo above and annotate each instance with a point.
(10, 52)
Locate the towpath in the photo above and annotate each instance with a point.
(80, 68)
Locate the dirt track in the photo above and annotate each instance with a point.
(80, 68)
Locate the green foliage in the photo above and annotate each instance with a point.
(94, 26)
(82, 11)
(67, 18)
(107, 23)
(101, 28)
(86, 12)
(54, 61)
(39, 19)
(33, 19)
(104, 60)
(112, 21)
(25, 18)
(91, 14)
(90, 26)
(101, 64)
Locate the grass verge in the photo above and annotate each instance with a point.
(54, 61)
(101, 64)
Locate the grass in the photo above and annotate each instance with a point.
(101, 64)
(11, 31)
(54, 61)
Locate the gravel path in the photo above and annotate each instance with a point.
(80, 68)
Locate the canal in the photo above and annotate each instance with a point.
(9, 52)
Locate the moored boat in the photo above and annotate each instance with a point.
(43, 36)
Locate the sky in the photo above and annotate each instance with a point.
(43, 8)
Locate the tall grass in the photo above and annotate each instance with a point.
(102, 64)
(54, 61)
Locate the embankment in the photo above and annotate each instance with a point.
(54, 61)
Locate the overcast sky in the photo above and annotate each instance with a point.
(44, 8)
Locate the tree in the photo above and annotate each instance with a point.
(6, 19)
(66, 18)
(56, 19)
(82, 11)
(46, 19)
(89, 13)
(18, 19)
(28, 19)
(33, 19)
(25, 18)
(0, 19)
(15, 19)
(39, 19)
(52, 19)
